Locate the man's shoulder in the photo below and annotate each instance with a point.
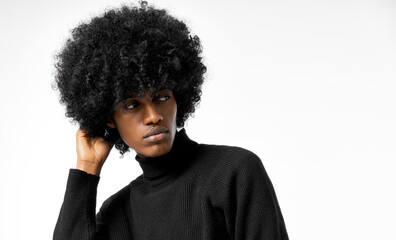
(227, 158)
(224, 167)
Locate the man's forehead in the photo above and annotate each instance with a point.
(151, 92)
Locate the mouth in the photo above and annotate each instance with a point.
(156, 134)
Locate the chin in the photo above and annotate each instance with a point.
(155, 150)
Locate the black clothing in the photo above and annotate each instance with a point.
(196, 191)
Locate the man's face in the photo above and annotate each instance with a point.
(147, 124)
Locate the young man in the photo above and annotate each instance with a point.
(130, 78)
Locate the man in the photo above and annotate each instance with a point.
(130, 78)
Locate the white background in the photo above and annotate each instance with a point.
(309, 86)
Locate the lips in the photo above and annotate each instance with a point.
(155, 131)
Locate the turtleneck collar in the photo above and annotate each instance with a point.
(175, 159)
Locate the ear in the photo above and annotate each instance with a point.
(111, 124)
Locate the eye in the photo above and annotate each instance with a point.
(163, 98)
(130, 105)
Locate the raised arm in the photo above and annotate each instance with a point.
(77, 218)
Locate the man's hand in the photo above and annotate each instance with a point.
(91, 152)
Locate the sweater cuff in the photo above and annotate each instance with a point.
(82, 181)
(78, 172)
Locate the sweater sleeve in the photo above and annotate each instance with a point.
(77, 218)
(247, 198)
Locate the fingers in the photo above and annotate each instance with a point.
(92, 147)
(84, 134)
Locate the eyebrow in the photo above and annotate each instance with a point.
(128, 96)
(134, 95)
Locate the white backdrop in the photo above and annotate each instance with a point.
(309, 86)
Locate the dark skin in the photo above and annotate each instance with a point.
(147, 124)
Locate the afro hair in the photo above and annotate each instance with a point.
(124, 50)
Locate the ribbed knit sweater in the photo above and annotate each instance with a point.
(196, 191)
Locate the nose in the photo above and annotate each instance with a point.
(152, 115)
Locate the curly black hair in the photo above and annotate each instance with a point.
(127, 49)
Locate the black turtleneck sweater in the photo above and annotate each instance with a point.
(196, 191)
